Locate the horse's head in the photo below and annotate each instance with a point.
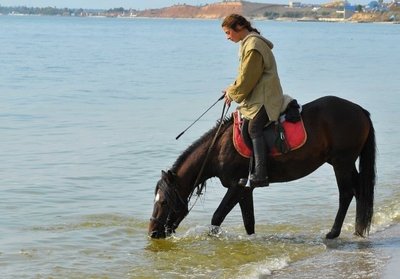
(169, 207)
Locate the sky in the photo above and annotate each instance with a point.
(134, 4)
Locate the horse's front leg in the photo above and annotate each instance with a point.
(247, 206)
(229, 201)
(234, 195)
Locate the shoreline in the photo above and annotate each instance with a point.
(202, 18)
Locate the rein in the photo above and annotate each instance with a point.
(200, 188)
(174, 196)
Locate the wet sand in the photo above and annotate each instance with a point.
(377, 256)
(391, 248)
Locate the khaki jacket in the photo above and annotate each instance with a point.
(265, 88)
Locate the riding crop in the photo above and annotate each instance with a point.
(219, 99)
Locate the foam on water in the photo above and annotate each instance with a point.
(387, 214)
(263, 268)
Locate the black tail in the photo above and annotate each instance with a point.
(365, 195)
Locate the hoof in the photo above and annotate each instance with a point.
(332, 234)
(214, 230)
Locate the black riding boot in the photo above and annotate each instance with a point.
(259, 177)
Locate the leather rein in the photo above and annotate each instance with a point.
(171, 191)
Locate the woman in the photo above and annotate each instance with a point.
(257, 89)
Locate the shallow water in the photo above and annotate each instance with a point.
(89, 111)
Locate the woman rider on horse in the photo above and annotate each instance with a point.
(257, 89)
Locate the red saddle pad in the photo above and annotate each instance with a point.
(295, 135)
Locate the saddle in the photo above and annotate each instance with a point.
(280, 137)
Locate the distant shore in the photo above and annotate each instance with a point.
(331, 12)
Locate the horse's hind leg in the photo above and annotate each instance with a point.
(347, 180)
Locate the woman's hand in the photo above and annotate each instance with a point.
(226, 97)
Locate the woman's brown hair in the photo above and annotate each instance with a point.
(233, 21)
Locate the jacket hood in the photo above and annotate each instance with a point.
(254, 34)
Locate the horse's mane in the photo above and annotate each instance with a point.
(207, 137)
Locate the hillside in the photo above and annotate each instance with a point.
(212, 11)
(248, 9)
(326, 12)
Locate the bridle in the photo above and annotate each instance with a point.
(173, 200)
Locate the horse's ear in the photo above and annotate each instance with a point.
(168, 176)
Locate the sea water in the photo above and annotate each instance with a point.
(89, 112)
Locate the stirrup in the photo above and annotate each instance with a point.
(259, 183)
(243, 182)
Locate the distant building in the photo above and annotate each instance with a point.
(375, 6)
(347, 13)
(294, 4)
(394, 4)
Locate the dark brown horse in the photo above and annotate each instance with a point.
(339, 133)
